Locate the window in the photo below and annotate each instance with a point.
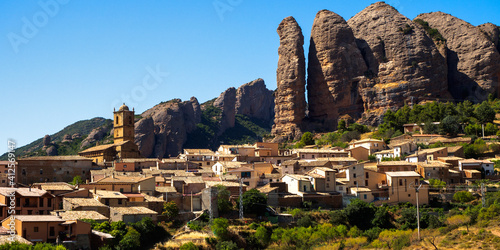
(30, 212)
(312, 156)
(41, 171)
(354, 175)
(328, 178)
(365, 197)
(49, 202)
(119, 201)
(367, 175)
(41, 202)
(35, 229)
(121, 190)
(303, 156)
(400, 182)
(366, 182)
(124, 166)
(327, 185)
(52, 232)
(355, 183)
(354, 167)
(409, 195)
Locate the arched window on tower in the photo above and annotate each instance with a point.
(117, 119)
(130, 120)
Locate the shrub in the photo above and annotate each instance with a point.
(226, 245)
(463, 196)
(188, 246)
(219, 227)
(170, 210)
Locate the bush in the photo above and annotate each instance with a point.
(188, 246)
(226, 245)
(219, 227)
(170, 210)
(305, 221)
(463, 196)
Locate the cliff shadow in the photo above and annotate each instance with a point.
(460, 85)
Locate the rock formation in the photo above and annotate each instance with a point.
(254, 100)
(172, 121)
(473, 60)
(95, 135)
(145, 136)
(403, 61)
(227, 103)
(335, 71)
(289, 100)
(46, 140)
(51, 151)
(76, 136)
(67, 138)
(492, 31)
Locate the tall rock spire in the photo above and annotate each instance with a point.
(290, 103)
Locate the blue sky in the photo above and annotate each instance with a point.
(65, 61)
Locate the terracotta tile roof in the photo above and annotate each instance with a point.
(109, 194)
(165, 189)
(79, 215)
(132, 210)
(98, 148)
(267, 189)
(84, 202)
(366, 140)
(403, 174)
(26, 192)
(150, 198)
(198, 151)
(5, 238)
(337, 159)
(450, 158)
(298, 177)
(223, 183)
(454, 149)
(55, 186)
(396, 163)
(434, 164)
(360, 189)
(129, 195)
(56, 158)
(40, 218)
(123, 179)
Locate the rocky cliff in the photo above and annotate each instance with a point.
(251, 99)
(473, 59)
(335, 72)
(403, 60)
(380, 60)
(290, 102)
(163, 129)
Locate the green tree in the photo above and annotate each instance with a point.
(254, 202)
(465, 111)
(490, 129)
(435, 183)
(359, 213)
(76, 180)
(342, 125)
(219, 227)
(450, 125)
(226, 245)
(484, 113)
(131, 240)
(382, 218)
(307, 138)
(170, 210)
(305, 221)
(463, 196)
(188, 246)
(262, 235)
(473, 129)
(223, 203)
(408, 219)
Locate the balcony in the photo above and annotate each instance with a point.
(382, 185)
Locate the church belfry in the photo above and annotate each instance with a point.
(123, 125)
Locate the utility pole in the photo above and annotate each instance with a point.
(241, 198)
(191, 201)
(418, 212)
(483, 199)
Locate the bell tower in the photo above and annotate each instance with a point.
(123, 124)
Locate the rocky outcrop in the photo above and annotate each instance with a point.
(51, 151)
(95, 135)
(492, 31)
(67, 138)
(473, 60)
(402, 60)
(227, 103)
(335, 71)
(145, 136)
(46, 140)
(254, 100)
(172, 120)
(76, 136)
(289, 100)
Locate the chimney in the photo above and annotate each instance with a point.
(95, 190)
(113, 175)
(29, 188)
(57, 214)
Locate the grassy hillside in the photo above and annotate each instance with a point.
(83, 128)
(246, 129)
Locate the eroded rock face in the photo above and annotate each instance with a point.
(473, 60)
(172, 121)
(227, 103)
(46, 140)
(335, 71)
(95, 135)
(402, 61)
(253, 99)
(289, 99)
(51, 151)
(145, 135)
(492, 31)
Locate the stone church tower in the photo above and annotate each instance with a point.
(123, 124)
